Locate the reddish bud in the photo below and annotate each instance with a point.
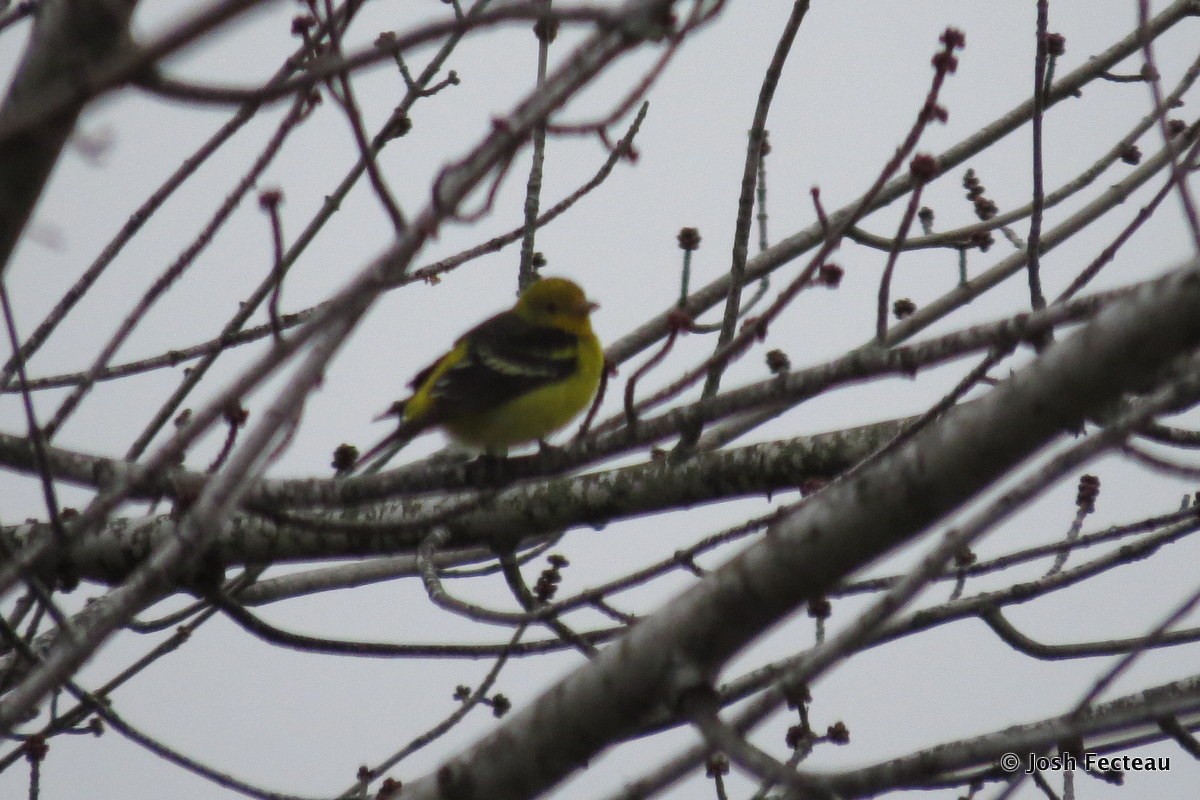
(830, 275)
(778, 362)
(983, 240)
(270, 198)
(923, 167)
(1089, 490)
(985, 209)
(797, 736)
(689, 239)
(546, 30)
(971, 182)
(344, 458)
(301, 24)
(838, 733)
(944, 62)
(820, 608)
(903, 307)
(679, 320)
(953, 38)
(935, 113)
(35, 748)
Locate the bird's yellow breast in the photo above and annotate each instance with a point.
(536, 414)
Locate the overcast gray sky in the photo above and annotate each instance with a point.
(859, 71)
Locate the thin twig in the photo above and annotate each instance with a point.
(1177, 172)
(750, 168)
(885, 281)
(1033, 265)
(345, 99)
(545, 30)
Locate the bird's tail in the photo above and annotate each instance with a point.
(377, 457)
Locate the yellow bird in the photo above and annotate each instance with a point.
(514, 378)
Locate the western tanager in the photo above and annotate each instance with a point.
(519, 376)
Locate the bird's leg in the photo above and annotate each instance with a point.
(489, 464)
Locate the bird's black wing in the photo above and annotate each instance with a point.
(506, 357)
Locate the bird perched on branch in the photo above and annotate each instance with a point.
(514, 378)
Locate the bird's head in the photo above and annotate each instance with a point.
(558, 303)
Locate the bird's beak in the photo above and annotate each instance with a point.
(584, 308)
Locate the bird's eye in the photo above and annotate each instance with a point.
(552, 308)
